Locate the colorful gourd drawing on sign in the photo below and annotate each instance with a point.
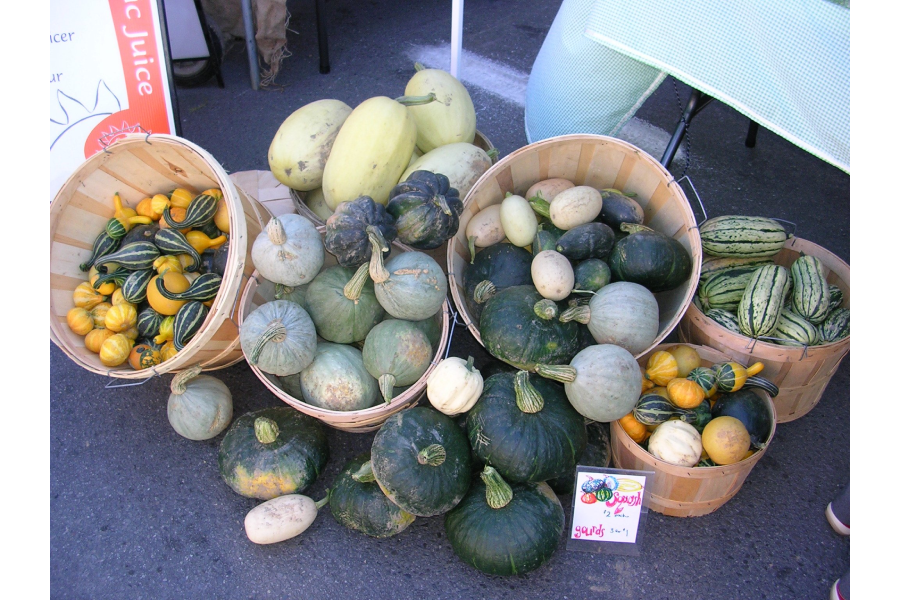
(607, 508)
(108, 78)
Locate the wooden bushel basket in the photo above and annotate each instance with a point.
(259, 291)
(601, 162)
(138, 166)
(686, 491)
(801, 373)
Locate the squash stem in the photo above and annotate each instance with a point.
(470, 365)
(179, 382)
(364, 474)
(386, 385)
(276, 233)
(528, 399)
(484, 291)
(442, 202)
(539, 205)
(266, 430)
(493, 153)
(546, 309)
(498, 493)
(376, 262)
(323, 501)
(275, 332)
(433, 456)
(582, 314)
(633, 227)
(353, 289)
(416, 100)
(561, 373)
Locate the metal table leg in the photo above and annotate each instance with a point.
(324, 65)
(250, 34)
(695, 104)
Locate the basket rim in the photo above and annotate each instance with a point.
(352, 420)
(691, 226)
(234, 268)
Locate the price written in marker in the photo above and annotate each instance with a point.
(607, 506)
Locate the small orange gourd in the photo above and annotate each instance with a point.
(79, 320)
(114, 350)
(178, 214)
(685, 393)
(143, 356)
(144, 208)
(646, 384)
(180, 198)
(662, 367)
(95, 338)
(98, 313)
(634, 428)
(158, 205)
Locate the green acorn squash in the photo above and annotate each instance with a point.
(272, 452)
(527, 430)
(503, 529)
(355, 228)
(421, 461)
(426, 210)
(357, 503)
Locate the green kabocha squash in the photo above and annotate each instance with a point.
(592, 274)
(426, 210)
(495, 268)
(526, 429)
(355, 228)
(652, 259)
(421, 461)
(522, 328)
(505, 529)
(396, 353)
(199, 406)
(410, 285)
(619, 208)
(272, 452)
(336, 379)
(279, 337)
(597, 453)
(357, 503)
(588, 240)
(342, 304)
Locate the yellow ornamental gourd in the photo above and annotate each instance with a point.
(79, 320)
(221, 217)
(169, 262)
(98, 313)
(370, 152)
(144, 208)
(168, 350)
(166, 332)
(180, 198)
(158, 205)
(85, 296)
(687, 358)
(104, 288)
(118, 297)
(115, 349)
(646, 384)
(661, 368)
(131, 333)
(201, 242)
(454, 386)
(726, 439)
(121, 317)
(173, 282)
(95, 338)
(685, 393)
(214, 192)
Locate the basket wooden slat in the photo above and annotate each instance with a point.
(138, 166)
(259, 291)
(686, 491)
(802, 374)
(600, 162)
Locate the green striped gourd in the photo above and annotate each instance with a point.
(762, 301)
(713, 265)
(148, 323)
(134, 288)
(117, 277)
(793, 330)
(135, 256)
(724, 290)
(188, 320)
(199, 212)
(811, 295)
(762, 383)
(172, 241)
(742, 236)
(103, 245)
(203, 288)
(725, 318)
(706, 378)
(653, 409)
(836, 326)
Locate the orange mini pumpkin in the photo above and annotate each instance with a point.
(685, 393)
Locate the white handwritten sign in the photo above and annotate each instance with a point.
(606, 507)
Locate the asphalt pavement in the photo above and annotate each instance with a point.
(137, 511)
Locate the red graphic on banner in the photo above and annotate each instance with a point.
(139, 48)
